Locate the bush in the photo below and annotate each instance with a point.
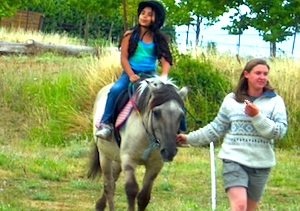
(208, 88)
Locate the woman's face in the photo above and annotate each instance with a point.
(146, 17)
(257, 77)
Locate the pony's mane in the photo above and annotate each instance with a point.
(165, 90)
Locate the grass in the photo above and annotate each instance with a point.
(20, 35)
(54, 178)
(45, 136)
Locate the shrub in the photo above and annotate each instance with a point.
(208, 87)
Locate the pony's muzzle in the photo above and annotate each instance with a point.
(167, 154)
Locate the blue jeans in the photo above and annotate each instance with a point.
(120, 85)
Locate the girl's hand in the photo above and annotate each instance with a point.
(134, 78)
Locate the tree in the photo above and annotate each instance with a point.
(293, 6)
(130, 13)
(9, 7)
(240, 20)
(272, 20)
(93, 7)
(124, 15)
(7, 10)
(57, 12)
(194, 13)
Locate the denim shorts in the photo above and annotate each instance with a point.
(253, 179)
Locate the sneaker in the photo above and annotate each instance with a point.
(104, 131)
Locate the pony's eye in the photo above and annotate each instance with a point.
(156, 113)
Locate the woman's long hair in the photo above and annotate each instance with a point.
(241, 89)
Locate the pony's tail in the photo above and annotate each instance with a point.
(95, 168)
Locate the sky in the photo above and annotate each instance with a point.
(251, 42)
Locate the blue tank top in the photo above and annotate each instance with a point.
(143, 58)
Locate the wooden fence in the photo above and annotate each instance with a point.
(25, 19)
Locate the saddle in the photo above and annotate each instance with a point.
(123, 106)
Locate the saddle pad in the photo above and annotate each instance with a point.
(124, 113)
(121, 118)
(98, 116)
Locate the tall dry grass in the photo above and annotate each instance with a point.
(21, 35)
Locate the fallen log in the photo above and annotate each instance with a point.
(34, 47)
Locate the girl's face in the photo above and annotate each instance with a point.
(257, 77)
(146, 17)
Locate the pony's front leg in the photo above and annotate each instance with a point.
(109, 184)
(131, 185)
(152, 170)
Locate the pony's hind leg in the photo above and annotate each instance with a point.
(108, 184)
(144, 195)
(101, 203)
(131, 185)
(116, 171)
(95, 169)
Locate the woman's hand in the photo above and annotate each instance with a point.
(181, 139)
(251, 109)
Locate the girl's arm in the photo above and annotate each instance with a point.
(165, 66)
(124, 57)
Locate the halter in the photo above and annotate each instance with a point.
(153, 141)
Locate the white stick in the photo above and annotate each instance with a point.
(213, 176)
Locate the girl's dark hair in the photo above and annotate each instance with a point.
(160, 40)
(240, 90)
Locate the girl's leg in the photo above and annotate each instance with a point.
(118, 87)
(105, 129)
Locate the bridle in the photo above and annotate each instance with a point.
(153, 141)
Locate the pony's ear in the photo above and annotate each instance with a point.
(183, 91)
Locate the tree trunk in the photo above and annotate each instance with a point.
(80, 29)
(187, 35)
(86, 29)
(198, 25)
(294, 40)
(110, 31)
(239, 43)
(272, 49)
(124, 16)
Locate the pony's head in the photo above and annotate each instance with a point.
(160, 102)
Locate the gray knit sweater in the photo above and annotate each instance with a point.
(248, 140)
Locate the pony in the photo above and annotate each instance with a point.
(147, 138)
